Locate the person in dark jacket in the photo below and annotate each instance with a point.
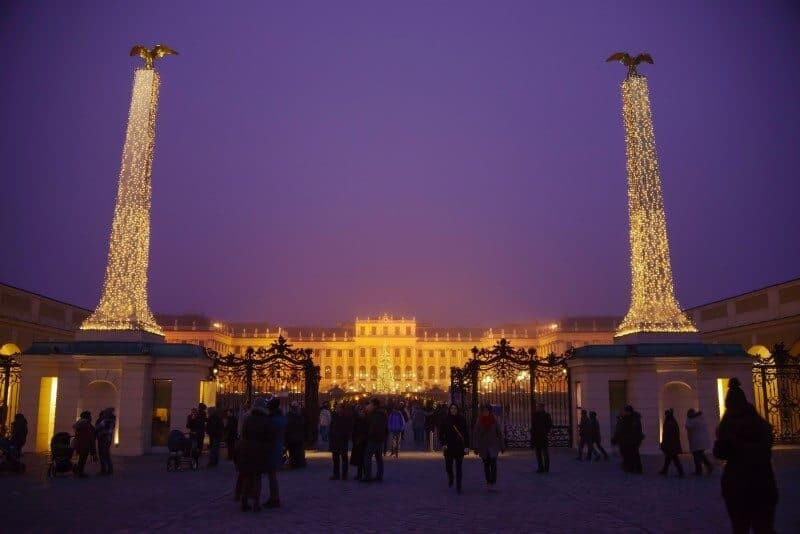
(252, 455)
(542, 422)
(19, 432)
(340, 429)
(377, 431)
(197, 427)
(454, 439)
(594, 435)
(744, 440)
(671, 443)
(104, 429)
(85, 439)
(231, 432)
(628, 436)
(295, 436)
(278, 424)
(215, 429)
(585, 437)
(360, 432)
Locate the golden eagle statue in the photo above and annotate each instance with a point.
(149, 56)
(630, 61)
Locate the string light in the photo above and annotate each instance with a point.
(654, 307)
(123, 304)
(385, 382)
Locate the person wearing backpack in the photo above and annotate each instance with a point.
(396, 425)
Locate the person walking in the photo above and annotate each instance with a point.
(215, 428)
(104, 430)
(396, 425)
(671, 443)
(251, 456)
(277, 425)
(487, 442)
(594, 436)
(231, 432)
(541, 424)
(295, 436)
(418, 426)
(376, 437)
(341, 428)
(585, 436)
(85, 439)
(360, 432)
(744, 441)
(628, 436)
(324, 422)
(454, 440)
(697, 433)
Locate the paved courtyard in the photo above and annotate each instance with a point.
(574, 497)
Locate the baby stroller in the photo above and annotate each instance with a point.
(10, 458)
(60, 455)
(183, 450)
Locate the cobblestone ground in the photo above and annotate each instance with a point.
(414, 497)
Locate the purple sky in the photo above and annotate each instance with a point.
(462, 162)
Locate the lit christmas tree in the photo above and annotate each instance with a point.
(123, 304)
(654, 307)
(385, 382)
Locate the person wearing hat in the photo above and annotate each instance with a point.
(487, 442)
(671, 443)
(85, 438)
(104, 428)
(744, 440)
(697, 433)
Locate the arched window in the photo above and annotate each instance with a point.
(373, 372)
(397, 375)
(420, 372)
(431, 372)
(442, 372)
(339, 372)
(327, 371)
(409, 373)
(351, 372)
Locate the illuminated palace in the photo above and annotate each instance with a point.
(349, 355)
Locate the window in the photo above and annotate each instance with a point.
(350, 353)
(162, 404)
(420, 372)
(442, 373)
(327, 353)
(441, 354)
(373, 352)
(362, 372)
(328, 372)
(373, 330)
(397, 353)
(408, 353)
(373, 372)
(339, 372)
(351, 372)
(409, 373)
(408, 330)
(431, 372)
(397, 375)
(397, 330)
(385, 330)
(338, 353)
(362, 352)
(361, 331)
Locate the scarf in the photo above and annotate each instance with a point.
(486, 421)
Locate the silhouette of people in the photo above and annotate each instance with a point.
(697, 433)
(542, 422)
(671, 443)
(744, 440)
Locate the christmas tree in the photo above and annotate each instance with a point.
(385, 382)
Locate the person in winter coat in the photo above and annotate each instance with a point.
(454, 439)
(85, 439)
(671, 443)
(628, 436)
(324, 422)
(697, 433)
(19, 432)
(295, 436)
(377, 430)
(197, 427)
(396, 425)
(104, 429)
(585, 437)
(278, 424)
(360, 431)
(418, 425)
(341, 428)
(594, 435)
(230, 432)
(487, 442)
(252, 454)
(542, 422)
(744, 440)
(215, 428)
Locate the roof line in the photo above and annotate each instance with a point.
(743, 294)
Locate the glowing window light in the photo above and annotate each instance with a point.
(123, 304)
(654, 307)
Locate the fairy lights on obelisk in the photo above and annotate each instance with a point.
(654, 308)
(123, 305)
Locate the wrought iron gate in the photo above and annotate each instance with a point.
(278, 370)
(513, 381)
(776, 381)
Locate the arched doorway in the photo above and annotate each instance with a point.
(680, 397)
(98, 396)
